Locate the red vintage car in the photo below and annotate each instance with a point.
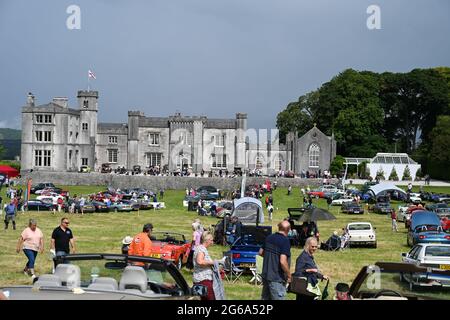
(317, 193)
(170, 246)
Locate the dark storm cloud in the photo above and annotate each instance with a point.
(211, 57)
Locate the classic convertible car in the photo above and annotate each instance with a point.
(108, 277)
(170, 246)
(400, 281)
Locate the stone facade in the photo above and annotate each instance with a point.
(61, 139)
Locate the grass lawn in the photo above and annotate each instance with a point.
(103, 232)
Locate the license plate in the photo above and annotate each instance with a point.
(444, 266)
(155, 255)
(246, 265)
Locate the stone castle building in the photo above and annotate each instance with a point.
(56, 137)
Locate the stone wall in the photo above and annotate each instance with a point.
(155, 182)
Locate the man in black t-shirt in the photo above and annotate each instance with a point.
(276, 274)
(62, 239)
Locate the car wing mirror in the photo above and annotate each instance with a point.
(199, 290)
(404, 254)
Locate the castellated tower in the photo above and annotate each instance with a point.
(88, 105)
(241, 119)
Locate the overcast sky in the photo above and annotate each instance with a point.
(206, 57)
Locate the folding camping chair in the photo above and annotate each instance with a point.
(257, 270)
(231, 271)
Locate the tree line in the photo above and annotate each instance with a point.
(372, 112)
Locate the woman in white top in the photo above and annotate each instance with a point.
(203, 263)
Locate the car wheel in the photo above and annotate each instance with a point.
(180, 262)
(374, 245)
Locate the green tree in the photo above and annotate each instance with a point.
(337, 165)
(406, 174)
(411, 103)
(439, 157)
(393, 175)
(2, 151)
(297, 117)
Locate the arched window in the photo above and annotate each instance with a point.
(277, 162)
(259, 162)
(314, 153)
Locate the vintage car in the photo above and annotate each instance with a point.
(100, 206)
(404, 213)
(436, 256)
(400, 281)
(170, 246)
(135, 206)
(339, 200)
(382, 208)
(108, 277)
(352, 208)
(245, 249)
(50, 198)
(41, 186)
(137, 169)
(48, 190)
(208, 193)
(85, 169)
(441, 197)
(121, 207)
(435, 206)
(38, 205)
(106, 168)
(361, 233)
(425, 227)
(415, 198)
(87, 208)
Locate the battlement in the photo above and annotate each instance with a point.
(136, 114)
(85, 93)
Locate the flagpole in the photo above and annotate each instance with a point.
(88, 82)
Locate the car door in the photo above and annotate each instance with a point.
(413, 255)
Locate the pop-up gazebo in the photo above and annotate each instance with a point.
(8, 171)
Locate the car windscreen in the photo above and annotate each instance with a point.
(410, 285)
(437, 251)
(361, 226)
(168, 237)
(428, 227)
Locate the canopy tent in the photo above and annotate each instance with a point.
(248, 210)
(8, 171)
(383, 187)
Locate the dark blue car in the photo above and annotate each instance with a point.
(38, 205)
(245, 248)
(425, 227)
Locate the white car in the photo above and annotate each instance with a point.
(402, 214)
(49, 199)
(415, 198)
(361, 233)
(430, 255)
(339, 202)
(433, 255)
